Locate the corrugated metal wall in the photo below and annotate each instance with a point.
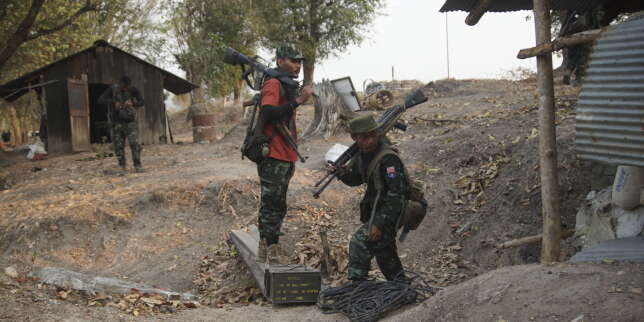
(610, 110)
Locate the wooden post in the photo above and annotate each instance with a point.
(326, 264)
(550, 247)
(477, 12)
(43, 115)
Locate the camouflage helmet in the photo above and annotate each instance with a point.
(288, 52)
(362, 124)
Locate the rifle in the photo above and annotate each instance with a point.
(387, 121)
(258, 70)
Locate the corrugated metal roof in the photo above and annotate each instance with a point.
(516, 5)
(625, 249)
(17, 87)
(610, 111)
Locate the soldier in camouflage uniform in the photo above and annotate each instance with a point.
(577, 56)
(380, 167)
(277, 109)
(118, 98)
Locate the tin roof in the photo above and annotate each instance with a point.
(610, 111)
(13, 89)
(516, 5)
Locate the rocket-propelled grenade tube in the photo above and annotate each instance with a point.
(388, 120)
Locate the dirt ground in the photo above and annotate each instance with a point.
(474, 145)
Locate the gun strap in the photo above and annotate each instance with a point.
(251, 123)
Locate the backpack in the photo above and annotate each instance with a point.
(256, 144)
(416, 205)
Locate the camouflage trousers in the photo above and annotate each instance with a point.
(274, 177)
(361, 251)
(127, 131)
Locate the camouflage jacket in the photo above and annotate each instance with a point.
(393, 194)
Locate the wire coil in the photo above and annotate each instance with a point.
(371, 300)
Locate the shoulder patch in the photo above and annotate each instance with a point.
(391, 172)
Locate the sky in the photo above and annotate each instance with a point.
(411, 37)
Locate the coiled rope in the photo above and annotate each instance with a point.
(371, 300)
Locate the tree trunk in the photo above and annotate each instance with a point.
(25, 33)
(330, 112)
(14, 121)
(309, 69)
(21, 34)
(237, 93)
(550, 248)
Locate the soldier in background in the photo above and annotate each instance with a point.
(576, 57)
(123, 100)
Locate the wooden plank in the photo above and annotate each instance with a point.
(78, 98)
(559, 43)
(247, 243)
(326, 262)
(281, 283)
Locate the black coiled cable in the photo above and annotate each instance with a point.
(371, 300)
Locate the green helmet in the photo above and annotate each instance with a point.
(363, 124)
(288, 52)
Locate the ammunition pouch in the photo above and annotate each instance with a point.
(416, 208)
(255, 147)
(126, 114)
(416, 205)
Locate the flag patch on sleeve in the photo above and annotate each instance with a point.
(391, 172)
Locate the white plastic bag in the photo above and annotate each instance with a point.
(627, 186)
(36, 150)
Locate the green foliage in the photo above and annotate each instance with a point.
(134, 26)
(45, 49)
(203, 29)
(128, 24)
(316, 28)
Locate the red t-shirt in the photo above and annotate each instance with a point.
(279, 149)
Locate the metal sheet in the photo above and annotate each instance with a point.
(344, 88)
(610, 111)
(624, 249)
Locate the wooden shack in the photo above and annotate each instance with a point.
(68, 90)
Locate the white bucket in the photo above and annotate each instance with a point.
(629, 181)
